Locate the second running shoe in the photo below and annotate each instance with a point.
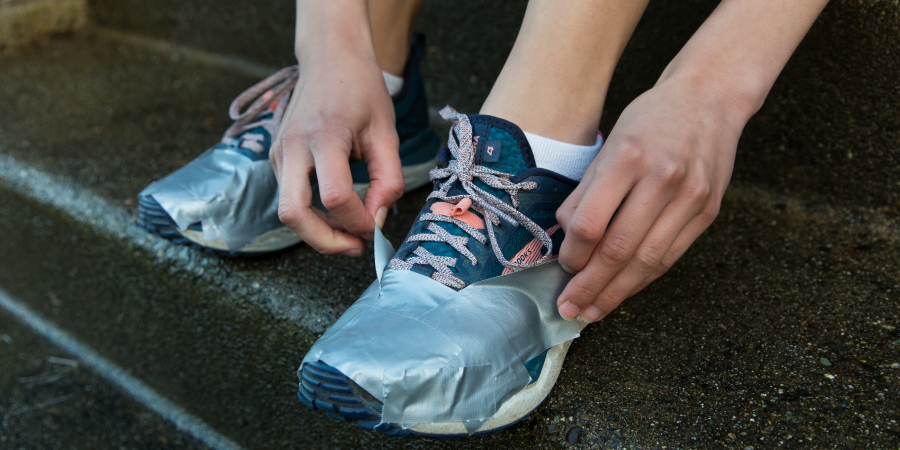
(226, 200)
(492, 213)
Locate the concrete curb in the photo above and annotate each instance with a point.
(25, 21)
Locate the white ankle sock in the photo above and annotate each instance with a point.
(393, 82)
(563, 158)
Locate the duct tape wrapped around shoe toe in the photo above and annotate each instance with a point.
(432, 354)
(233, 197)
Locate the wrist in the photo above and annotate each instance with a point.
(326, 28)
(738, 97)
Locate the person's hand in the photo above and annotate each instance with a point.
(340, 108)
(657, 183)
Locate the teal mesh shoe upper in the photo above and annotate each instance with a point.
(504, 208)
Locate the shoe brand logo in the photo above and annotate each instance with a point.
(522, 257)
(490, 150)
(530, 253)
(475, 148)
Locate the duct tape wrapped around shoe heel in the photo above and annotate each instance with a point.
(432, 354)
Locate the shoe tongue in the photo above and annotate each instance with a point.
(500, 145)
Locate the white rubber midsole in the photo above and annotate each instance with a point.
(270, 241)
(415, 176)
(519, 405)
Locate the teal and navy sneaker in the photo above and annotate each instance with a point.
(226, 200)
(491, 214)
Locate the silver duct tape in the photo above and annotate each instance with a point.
(432, 354)
(412, 395)
(234, 198)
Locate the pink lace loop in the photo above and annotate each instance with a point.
(459, 211)
(462, 206)
(269, 96)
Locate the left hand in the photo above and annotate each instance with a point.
(662, 172)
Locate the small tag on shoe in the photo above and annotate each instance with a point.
(491, 151)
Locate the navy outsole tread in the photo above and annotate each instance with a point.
(325, 389)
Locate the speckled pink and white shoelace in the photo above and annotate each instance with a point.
(269, 96)
(461, 168)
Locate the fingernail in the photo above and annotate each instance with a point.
(592, 314)
(380, 215)
(353, 252)
(369, 236)
(569, 311)
(567, 269)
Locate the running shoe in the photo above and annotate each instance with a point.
(226, 200)
(491, 214)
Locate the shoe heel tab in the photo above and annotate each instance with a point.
(411, 74)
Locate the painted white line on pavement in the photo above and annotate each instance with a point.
(118, 376)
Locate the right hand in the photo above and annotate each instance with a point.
(340, 108)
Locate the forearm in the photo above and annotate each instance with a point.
(324, 27)
(737, 54)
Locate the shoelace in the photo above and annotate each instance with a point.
(463, 169)
(275, 88)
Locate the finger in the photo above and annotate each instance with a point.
(332, 221)
(386, 184)
(297, 213)
(336, 187)
(585, 215)
(682, 243)
(286, 136)
(275, 156)
(645, 260)
(568, 207)
(637, 214)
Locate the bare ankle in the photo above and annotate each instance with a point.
(393, 22)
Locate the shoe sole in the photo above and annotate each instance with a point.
(327, 389)
(153, 218)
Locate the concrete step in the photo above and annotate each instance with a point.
(829, 132)
(725, 350)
